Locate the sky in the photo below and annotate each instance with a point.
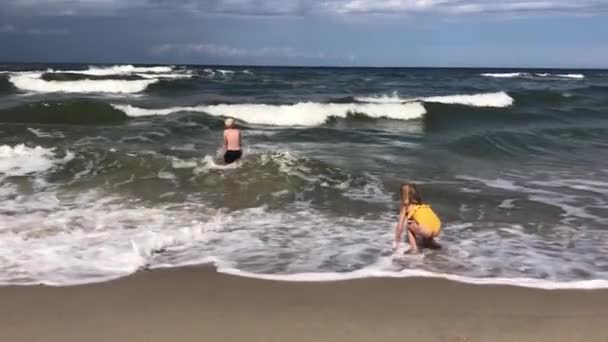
(442, 33)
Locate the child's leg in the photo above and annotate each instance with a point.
(415, 230)
(411, 239)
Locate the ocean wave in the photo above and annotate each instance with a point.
(5, 85)
(225, 73)
(299, 114)
(575, 76)
(118, 70)
(158, 72)
(498, 99)
(73, 111)
(95, 235)
(33, 82)
(505, 74)
(532, 75)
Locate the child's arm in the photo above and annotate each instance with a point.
(399, 228)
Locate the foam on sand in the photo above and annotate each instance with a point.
(414, 273)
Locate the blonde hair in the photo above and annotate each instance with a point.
(229, 122)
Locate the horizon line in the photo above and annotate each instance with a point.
(312, 66)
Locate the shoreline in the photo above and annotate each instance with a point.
(200, 304)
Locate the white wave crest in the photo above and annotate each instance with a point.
(118, 70)
(505, 74)
(300, 114)
(22, 160)
(498, 99)
(575, 76)
(529, 75)
(33, 82)
(225, 72)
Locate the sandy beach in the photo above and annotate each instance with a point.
(199, 304)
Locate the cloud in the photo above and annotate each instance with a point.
(303, 7)
(229, 51)
(462, 6)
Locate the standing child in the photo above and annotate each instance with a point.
(232, 142)
(421, 221)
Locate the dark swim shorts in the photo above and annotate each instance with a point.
(232, 156)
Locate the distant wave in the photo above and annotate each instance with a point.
(224, 73)
(499, 99)
(532, 75)
(33, 82)
(504, 75)
(577, 76)
(299, 114)
(117, 79)
(167, 72)
(314, 113)
(118, 70)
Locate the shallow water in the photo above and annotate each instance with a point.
(106, 170)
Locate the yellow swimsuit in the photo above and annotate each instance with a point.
(425, 217)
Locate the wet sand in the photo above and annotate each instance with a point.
(198, 304)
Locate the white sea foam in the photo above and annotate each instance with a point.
(162, 72)
(498, 99)
(117, 70)
(536, 75)
(374, 272)
(575, 76)
(54, 242)
(165, 76)
(22, 160)
(34, 82)
(300, 114)
(225, 72)
(42, 134)
(505, 74)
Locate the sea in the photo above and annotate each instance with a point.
(107, 170)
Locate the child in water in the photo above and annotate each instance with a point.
(232, 142)
(421, 221)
